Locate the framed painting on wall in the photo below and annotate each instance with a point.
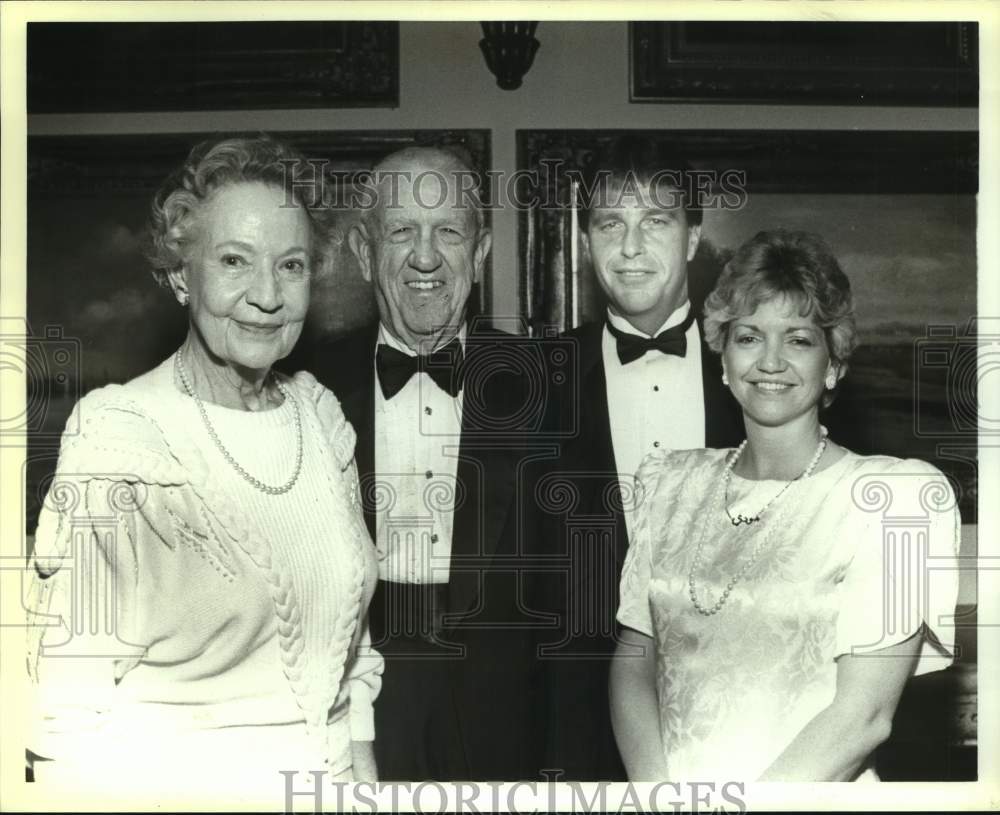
(236, 65)
(811, 63)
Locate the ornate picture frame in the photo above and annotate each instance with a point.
(236, 65)
(813, 63)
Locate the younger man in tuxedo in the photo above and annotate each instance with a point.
(643, 381)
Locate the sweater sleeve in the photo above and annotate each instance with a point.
(105, 497)
(82, 595)
(364, 681)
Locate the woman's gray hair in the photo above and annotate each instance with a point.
(212, 165)
(778, 263)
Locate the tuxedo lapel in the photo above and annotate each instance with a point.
(487, 485)
(595, 445)
(486, 473)
(595, 418)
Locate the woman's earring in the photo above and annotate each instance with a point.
(182, 297)
(831, 381)
(725, 379)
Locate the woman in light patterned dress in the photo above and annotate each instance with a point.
(202, 552)
(778, 596)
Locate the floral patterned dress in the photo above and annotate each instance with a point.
(851, 560)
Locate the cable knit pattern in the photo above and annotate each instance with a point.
(734, 689)
(317, 562)
(329, 423)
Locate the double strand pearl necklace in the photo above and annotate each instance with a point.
(722, 496)
(255, 482)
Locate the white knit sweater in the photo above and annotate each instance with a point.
(239, 641)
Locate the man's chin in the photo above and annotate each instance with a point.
(431, 322)
(429, 334)
(634, 308)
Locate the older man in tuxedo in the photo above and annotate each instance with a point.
(441, 428)
(642, 379)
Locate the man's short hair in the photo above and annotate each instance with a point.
(639, 159)
(444, 159)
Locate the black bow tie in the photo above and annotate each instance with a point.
(672, 341)
(395, 368)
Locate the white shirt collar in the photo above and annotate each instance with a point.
(388, 338)
(677, 316)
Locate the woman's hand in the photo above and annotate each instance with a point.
(635, 712)
(838, 740)
(363, 760)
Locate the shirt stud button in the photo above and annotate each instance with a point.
(434, 538)
(656, 388)
(656, 444)
(428, 474)
(428, 410)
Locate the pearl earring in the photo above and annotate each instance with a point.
(182, 298)
(831, 381)
(725, 379)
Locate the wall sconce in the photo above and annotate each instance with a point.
(509, 48)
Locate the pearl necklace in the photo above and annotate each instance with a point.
(255, 482)
(722, 496)
(728, 474)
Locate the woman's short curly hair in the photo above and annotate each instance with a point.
(777, 263)
(214, 164)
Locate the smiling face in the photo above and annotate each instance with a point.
(777, 363)
(247, 274)
(640, 253)
(422, 249)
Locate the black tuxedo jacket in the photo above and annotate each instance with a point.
(591, 540)
(494, 682)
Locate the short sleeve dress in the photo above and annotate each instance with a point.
(857, 557)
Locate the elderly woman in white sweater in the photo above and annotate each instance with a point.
(202, 540)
